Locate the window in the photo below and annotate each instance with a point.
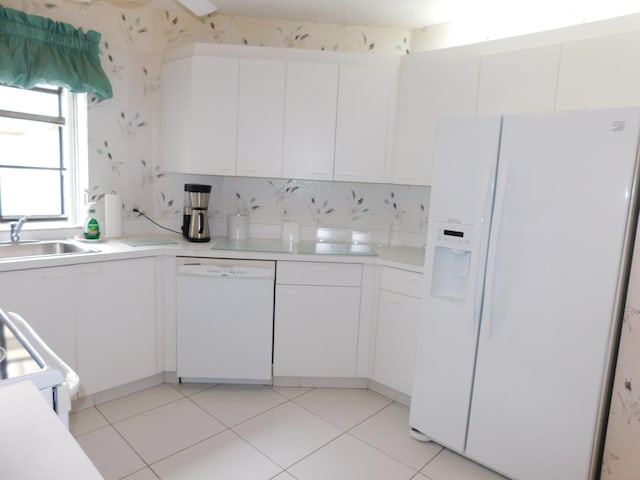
(42, 154)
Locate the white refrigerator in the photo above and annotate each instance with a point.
(530, 228)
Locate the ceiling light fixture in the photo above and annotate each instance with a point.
(200, 8)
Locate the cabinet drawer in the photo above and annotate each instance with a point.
(316, 273)
(401, 281)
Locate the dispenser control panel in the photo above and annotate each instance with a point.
(451, 263)
(454, 235)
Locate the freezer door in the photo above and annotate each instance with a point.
(559, 225)
(460, 209)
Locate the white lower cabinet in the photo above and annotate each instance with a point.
(115, 323)
(316, 319)
(100, 318)
(398, 319)
(43, 297)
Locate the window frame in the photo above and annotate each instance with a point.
(73, 165)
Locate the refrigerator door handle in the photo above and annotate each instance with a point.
(494, 237)
(484, 242)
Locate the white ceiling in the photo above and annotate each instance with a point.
(413, 14)
(384, 13)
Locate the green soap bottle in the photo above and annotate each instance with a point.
(91, 226)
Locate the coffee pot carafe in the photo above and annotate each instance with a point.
(195, 221)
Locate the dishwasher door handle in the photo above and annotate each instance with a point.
(234, 271)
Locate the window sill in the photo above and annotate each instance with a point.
(43, 231)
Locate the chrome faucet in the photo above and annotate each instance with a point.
(16, 228)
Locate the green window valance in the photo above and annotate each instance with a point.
(37, 50)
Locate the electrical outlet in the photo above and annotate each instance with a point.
(131, 209)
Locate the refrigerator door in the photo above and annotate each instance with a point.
(558, 230)
(457, 239)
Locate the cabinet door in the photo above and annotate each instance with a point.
(44, 298)
(394, 360)
(363, 123)
(260, 117)
(519, 82)
(199, 109)
(310, 120)
(316, 331)
(431, 86)
(115, 322)
(600, 73)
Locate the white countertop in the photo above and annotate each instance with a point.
(407, 258)
(34, 443)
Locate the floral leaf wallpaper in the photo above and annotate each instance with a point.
(124, 130)
(621, 459)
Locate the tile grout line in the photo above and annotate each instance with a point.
(230, 427)
(139, 413)
(148, 465)
(93, 429)
(381, 451)
(227, 429)
(285, 469)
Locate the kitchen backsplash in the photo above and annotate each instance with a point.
(123, 131)
(368, 208)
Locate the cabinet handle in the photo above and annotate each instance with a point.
(407, 179)
(410, 279)
(320, 269)
(346, 175)
(395, 301)
(52, 276)
(319, 174)
(94, 271)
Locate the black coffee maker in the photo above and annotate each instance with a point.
(195, 222)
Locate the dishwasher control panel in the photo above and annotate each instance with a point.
(223, 268)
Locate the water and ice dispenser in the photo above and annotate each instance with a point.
(451, 262)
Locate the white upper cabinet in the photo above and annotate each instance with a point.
(199, 103)
(363, 123)
(260, 117)
(431, 86)
(600, 73)
(277, 113)
(310, 120)
(520, 81)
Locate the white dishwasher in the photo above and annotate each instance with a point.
(225, 320)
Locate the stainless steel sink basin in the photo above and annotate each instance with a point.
(40, 249)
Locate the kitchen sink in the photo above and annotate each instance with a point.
(39, 249)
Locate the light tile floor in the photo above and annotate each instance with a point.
(251, 432)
